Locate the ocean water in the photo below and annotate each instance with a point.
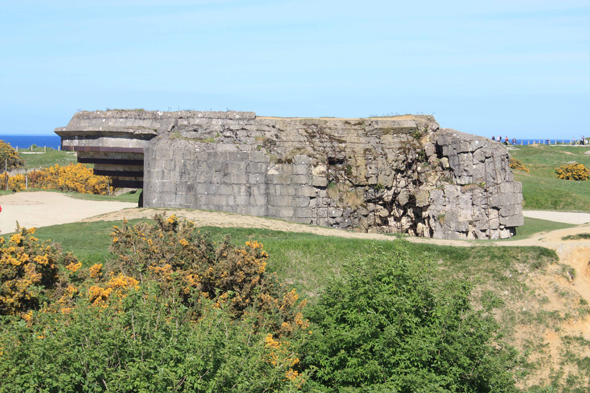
(552, 141)
(25, 141)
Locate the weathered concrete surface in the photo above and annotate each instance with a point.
(398, 174)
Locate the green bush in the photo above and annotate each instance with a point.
(10, 157)
(148, 345)
(385, 325)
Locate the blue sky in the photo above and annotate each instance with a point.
(516, 68)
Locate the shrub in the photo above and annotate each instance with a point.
(572, 171)
(387, 326)
(518, 165)
(29, 272)
(172, 311)
(149, 344)
(183, 261)
(77, 178)
(9, 156)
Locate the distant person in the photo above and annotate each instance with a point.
(499, 139)
(583, 140)
(574, 141)
(493, 138)
(506, 141)
(513, 141)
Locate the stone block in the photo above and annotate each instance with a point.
(301, 159)
(303, 213)
(422, 198)
(287, 190)
(335, 213)
(285, 212)
(305, 190)
(256, 178)
(258, 156)
(258, 200)
(302, 201)
(257, 167)
(318, 181)
(300, 179)
(218, 200)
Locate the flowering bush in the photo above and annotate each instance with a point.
(29, 272)
(173, 311)
(187, 263)
(78, 178)
(10, 156)
(573, 171)
(518, 165)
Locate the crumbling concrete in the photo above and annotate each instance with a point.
(396, 174)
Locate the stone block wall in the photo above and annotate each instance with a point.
(398, 174)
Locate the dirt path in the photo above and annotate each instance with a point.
(39, 209)
(566, 217)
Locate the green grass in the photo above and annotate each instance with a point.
(541, 189)
(579, 236)
(534, 225)
(50, 158)
(306, 260)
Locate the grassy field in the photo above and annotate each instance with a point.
(46, 159)
(541, 189)
(535, 225)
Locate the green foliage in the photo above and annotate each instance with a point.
(9, 156)
(579, 236)
(386, 324)
(29, 272)
(147, 345)
(183, 261)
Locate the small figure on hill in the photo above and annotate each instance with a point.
(574, 141)
(506, 140)
(499, 139)
(582, 140)
(493, 138)
(513, 141)
(547, 141)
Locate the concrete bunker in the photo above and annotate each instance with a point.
(391, 174)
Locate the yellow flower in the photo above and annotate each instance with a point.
(73, 267)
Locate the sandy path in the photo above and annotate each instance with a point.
(566, 217)
(39, 209)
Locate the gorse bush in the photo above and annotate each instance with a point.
(188, 315)
(518, 165)
(30, 272)
(78, 178)
(184, 261)
(10, 157)
(572, 171)
(385, 325)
